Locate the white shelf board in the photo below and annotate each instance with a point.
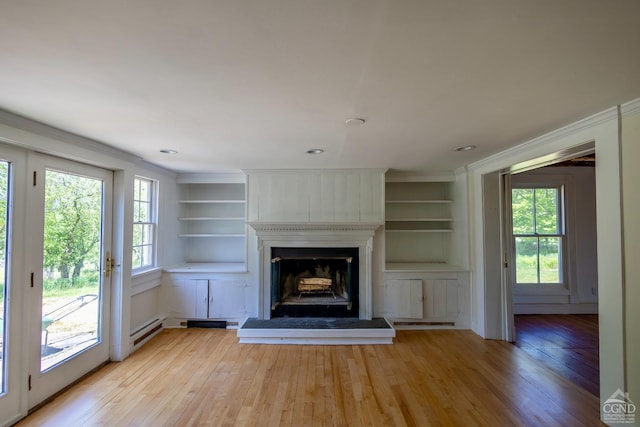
(206, 218)
(419, 201)
(209, 267)
(438, 230)
(211, 201)
(210, 235)
(418, 219)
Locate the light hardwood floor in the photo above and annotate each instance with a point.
(187, 377)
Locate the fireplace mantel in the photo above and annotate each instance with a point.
(319, 235)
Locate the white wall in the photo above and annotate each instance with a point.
(631, 207)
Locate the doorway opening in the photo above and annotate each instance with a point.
(550, 243)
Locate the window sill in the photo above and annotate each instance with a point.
(145, 280)
(546, 289)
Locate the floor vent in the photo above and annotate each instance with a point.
(218, 324)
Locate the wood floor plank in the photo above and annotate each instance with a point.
(566, 344)
(204, 377)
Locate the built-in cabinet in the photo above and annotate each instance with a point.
(205, 298)
(423, 299)
(212, 217)
(421, 239)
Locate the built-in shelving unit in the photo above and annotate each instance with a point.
(418, 224)
(213, 223)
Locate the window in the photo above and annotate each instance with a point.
(144, 223)
(538, 232)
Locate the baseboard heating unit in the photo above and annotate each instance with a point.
(144, 333)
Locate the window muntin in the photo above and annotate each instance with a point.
(538, 232)
(144, 224)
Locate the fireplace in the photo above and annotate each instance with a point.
(355, 239)
(314, 282)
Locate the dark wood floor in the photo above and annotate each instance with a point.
(566, 344)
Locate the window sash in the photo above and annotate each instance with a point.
(550, 270)
(144, 224)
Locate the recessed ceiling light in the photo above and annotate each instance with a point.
(355, 121)
(465, 148)
(168, 151)
(315, 151)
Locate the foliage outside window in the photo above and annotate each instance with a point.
(538, 234)
(144, 223)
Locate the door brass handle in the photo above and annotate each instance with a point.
(110, 264)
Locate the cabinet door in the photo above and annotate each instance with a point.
(403, 298)
(227, 299)
(442, 297)
(202, 298)
(188, 299)
(181, 299)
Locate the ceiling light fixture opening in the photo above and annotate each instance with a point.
(465, 148)
(355, 121)
(315, 151)
(168, 151)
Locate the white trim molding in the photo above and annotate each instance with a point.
(632, 107)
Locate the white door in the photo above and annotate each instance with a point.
(69, 213)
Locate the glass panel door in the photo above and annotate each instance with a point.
(71, 266)
(72, 208)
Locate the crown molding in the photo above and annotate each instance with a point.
(589, 122)
(632, 107)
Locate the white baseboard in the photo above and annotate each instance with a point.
(589, 308)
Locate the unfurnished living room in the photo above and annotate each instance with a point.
(322, 213)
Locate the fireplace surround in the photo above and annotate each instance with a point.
(357, 238)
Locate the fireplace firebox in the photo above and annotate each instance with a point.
(314, 282)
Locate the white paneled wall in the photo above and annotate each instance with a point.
(331, 196)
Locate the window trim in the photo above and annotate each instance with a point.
(153, 216)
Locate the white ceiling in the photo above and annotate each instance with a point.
(253, 84)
